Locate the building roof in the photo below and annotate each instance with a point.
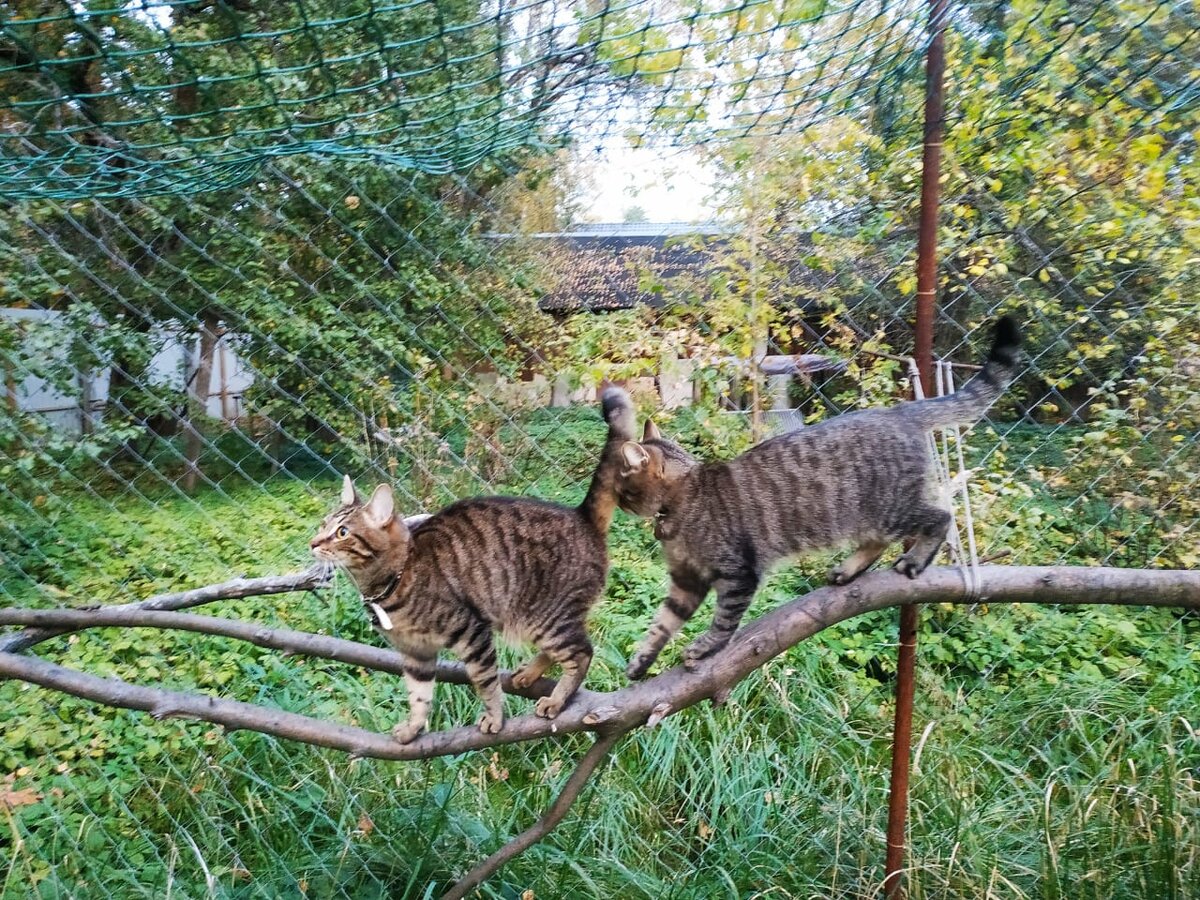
(596, 268)
(606, 272)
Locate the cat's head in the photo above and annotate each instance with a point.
(648, 472)
(358, 535)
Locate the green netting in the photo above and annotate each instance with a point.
(153, 97)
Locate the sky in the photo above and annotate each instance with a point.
(670, 185)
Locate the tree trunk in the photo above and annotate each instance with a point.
(198, 399)
(10, 390)
(85, 402)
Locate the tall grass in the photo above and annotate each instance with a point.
(1057, 752)
(1079, 792)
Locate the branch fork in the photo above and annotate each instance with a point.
(609, 716)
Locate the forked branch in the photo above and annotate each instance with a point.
(611, 715)
(236, 588)
(648, 701)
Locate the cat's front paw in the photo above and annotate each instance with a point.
(548, 707)
(702, 647)
(406, 732)
(490, 723)
(909, 567)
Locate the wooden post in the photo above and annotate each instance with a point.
(223, 375)
(935, 64)
(85, 402)
(10, 390)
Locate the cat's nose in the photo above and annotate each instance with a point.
(312, 545)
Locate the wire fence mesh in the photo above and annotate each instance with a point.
(246, 248)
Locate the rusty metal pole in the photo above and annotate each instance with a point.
(935, 64)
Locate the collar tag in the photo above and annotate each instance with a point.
(384, 621)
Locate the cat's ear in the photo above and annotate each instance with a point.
(381, 508)
(651, 432)
(634, 458)
(349, 494)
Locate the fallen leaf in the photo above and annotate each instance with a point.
(23, 797)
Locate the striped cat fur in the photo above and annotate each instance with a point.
(864, 479)
(528, 569)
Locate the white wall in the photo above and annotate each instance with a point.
(171, 366)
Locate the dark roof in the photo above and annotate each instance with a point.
(594, 268)
(596, 273)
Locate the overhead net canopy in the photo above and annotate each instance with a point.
(152, 97)
(178, 96)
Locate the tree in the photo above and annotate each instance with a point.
(633, 215)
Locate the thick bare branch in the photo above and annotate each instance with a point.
(547, 823)
(317, 577)
(62, 621)
(652, 700)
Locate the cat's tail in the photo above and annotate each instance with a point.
(619, 412)
(968, 404)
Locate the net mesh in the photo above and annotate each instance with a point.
(135, 99)
(247, 247)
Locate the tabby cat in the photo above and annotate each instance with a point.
(528, 569)
(863, 479)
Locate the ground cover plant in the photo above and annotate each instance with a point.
(1052, 741)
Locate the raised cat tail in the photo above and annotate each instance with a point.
(972, 401)
(621, 416)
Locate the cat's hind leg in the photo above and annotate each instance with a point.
(531, 671)
(928, 527)
(857, 562)
(680, 605)
(575, 657)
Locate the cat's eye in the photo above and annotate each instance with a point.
(343, 532)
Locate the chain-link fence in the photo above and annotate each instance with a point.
(248, 247)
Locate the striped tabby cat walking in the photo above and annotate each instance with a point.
(864, 479)
(528, 569)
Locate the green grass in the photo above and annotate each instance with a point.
(1058, 750)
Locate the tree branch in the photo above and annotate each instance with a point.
(651, 701)
(317, 577)
(547, 823)
(380, 659)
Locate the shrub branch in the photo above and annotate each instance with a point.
(630, 707)
(610, 715)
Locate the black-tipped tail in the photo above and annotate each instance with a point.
(619, 412)
(972, 401)
(1006, 341)
(621, 415)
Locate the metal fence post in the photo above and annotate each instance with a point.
(923, 340)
